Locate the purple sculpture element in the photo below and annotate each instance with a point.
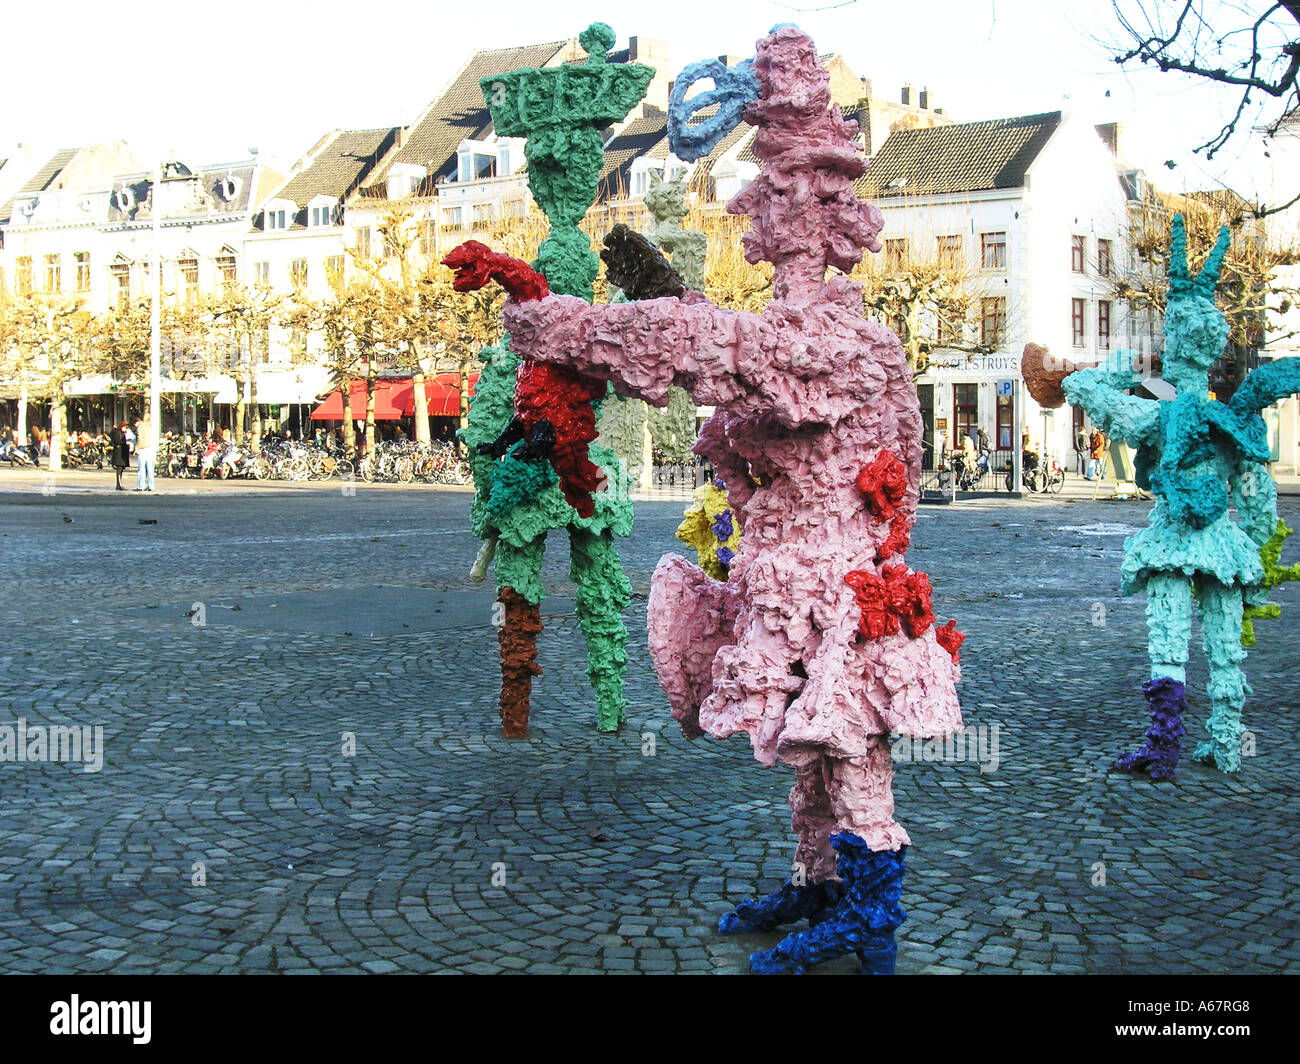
(807, 393)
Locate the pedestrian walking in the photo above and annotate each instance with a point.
(34, 445)
(121, 451)
(1082, 446)
(145, 453)
(1096, 449)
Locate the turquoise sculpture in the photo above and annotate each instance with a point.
(1198, 455)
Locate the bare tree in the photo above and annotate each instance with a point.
(1254, 48)
(1253, 292)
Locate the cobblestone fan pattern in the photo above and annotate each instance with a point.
(439, 846)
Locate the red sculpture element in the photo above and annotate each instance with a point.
(897, 597)
(900, 535)
(543, 391)
(476, 264)
(947, 636)
(564, 398)
(883, 481)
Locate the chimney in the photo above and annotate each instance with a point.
(907, 95)
(924, 101)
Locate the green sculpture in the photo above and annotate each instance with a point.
(562, 113)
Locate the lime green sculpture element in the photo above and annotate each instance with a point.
(562, 113)
(672, 429)
(1257, 605)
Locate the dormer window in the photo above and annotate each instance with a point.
(321, 212)
(124, 199)
(641, 172)
(279, 215)
(476, 160)
(404, 179)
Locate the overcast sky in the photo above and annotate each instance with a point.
(211, 80)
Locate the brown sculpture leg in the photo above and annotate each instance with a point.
(518, 641)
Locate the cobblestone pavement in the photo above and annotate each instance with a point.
(228, 831)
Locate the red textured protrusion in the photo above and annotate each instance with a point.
(896, 598)
(476, 264)
(900, 535)
(883, 481)
(560, 395)
(564, 397)
(950, 639)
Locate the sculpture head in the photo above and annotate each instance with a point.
(804, 212)
(666, 200)
(805, 217)
(1196, 331)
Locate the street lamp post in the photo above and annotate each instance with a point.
(155, 309)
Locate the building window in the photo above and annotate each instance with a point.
(965, 412)
(82, 260)
(428, 237)
(993, 251)
(993, 321)
(298, 274)
(322, 215)
(895, 254)
(451, 218)
(1103, 258)
(121, 272)
(189, 270)
(23, 275)
(1103, 324)
(1076, 253)
(226, 269)
(262, 273)
(949, 251)
(1076, 322)
(334, 272)
(363, 242)
(53, 273)
(482, 215)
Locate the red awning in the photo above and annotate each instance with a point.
(442, 393)
(395, 398)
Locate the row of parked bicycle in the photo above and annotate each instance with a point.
(435, 463)
(980, 474)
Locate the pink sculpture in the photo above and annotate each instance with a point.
(817, 436)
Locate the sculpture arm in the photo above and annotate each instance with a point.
(643, 347)
(1126, 417)
(1255, 496)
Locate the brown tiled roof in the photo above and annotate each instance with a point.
(645, 137)
(461, 112)
(970, 157)
(40, 181)
(340, 165)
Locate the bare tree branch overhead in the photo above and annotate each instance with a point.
(1253, 47)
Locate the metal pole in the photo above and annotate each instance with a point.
(155, 316)
(1017, 432)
